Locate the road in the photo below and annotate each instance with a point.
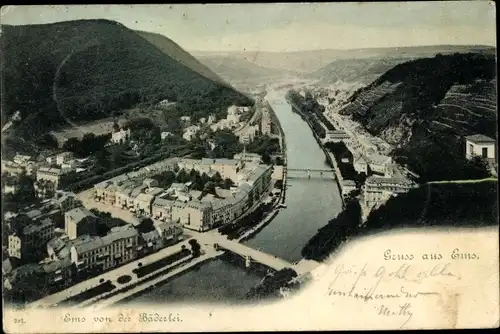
(87, 198)
(148, 282)
(112, 275)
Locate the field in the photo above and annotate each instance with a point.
(98, 127)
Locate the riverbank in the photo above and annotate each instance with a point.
(328, 156)
(282, 136)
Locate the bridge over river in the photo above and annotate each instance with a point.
(301, 173)
(250, 254)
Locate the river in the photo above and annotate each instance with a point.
(310, 204)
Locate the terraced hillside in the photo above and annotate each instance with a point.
(425, 107)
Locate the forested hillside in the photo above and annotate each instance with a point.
(426, 106)
(90, 69)
(174, 51)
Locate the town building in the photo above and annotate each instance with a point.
(21, 159)
(165, 134)
(63, 158)
(251, 158)
(186, 120)
(170, 232)
(49, 180)
(190, 132)
(150, 242)
(120, 136)
(360, 165)
(249, 134)
(378, 189)
(336, 136)
(12, 168)
(26, 242)
(266, 123)
(165, 103)
(379, 164)
(211, 119)
(93, 253)
(143, 202)
(480, 145)
(67, 201)
(347, 187)
(227, 168)
(252, 180)
(79, 221)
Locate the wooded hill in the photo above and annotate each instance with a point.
(90, 69)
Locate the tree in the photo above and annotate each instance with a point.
(48, 140)
(182, 176)
(217, 178)
(209, 187)
(72, 145)
(195, 247)
(227, 183)
(165, 179)
(266, 158)
(26, 191)
(146, 225)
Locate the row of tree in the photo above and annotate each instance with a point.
(89, 144)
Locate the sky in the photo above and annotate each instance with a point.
(288, 27)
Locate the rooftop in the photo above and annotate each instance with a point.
(33, 228)
(78, 214)
(378, 159)
(387, 180)
(145, 197)
(349, 183)
(478, 138)
(163, 202)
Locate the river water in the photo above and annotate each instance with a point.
(310, 204)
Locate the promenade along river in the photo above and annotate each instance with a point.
(310, 204)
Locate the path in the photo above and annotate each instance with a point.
(112, 275)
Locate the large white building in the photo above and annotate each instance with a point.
(480, 145)
(378, 189)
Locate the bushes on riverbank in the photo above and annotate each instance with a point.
(308, 108)
(330, 236)
(449, 204)
(271, 284)
(340, 151)
(235, 230)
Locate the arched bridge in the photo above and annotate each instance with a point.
(251, 254)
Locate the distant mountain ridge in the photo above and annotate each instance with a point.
(364, 71)
(241, 70)
(313, 60)
(426, 106)
(89, 69)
